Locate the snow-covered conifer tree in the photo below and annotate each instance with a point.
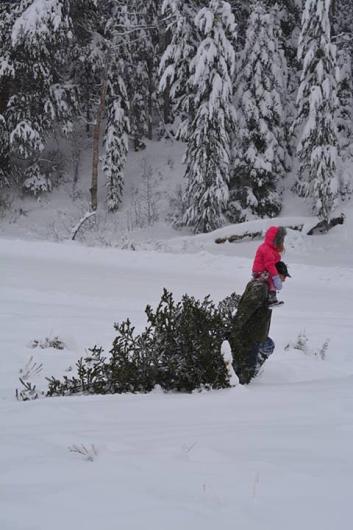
(117, 105)
(208, 150)
(260, 147)
(87, 55)
(142, 66)
(317, 105)
(342, 33)
(151, 38)
(176, 60)
(345, 122)
(38, 97)
(137, 90)
(136, 72)
(6, 74)
(116, 134)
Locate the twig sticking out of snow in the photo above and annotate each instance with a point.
(30, 369)
(89, 453)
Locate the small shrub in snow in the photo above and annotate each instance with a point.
(179, 350)
(302, 344)
(35, 181)
(54, 342)
(323, 350)
(37, 184)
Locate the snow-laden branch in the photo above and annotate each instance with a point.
(76, 228)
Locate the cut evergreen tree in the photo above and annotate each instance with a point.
(209, 140)
(179, 350)
(317, 105)
(260, 146)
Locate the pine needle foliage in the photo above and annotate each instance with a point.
(179, 350)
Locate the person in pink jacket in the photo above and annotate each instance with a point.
(267, 255)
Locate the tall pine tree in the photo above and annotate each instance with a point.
(342, 33)
(40, 96)
(260, 147)
(209, 141)
(114, 99)
(116, 134)
(317, 105)
(42, 59)
(176, 60)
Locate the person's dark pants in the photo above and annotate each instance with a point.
(256, 357)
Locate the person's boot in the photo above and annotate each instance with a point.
(272, 300)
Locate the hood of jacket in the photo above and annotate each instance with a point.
(275, 235)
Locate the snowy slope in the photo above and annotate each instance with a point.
(276, 454)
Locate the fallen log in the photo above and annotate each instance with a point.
(250, 235)
(323, 226)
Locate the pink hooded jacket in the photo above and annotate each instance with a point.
(267, 253)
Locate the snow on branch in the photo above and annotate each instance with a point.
(76, 228)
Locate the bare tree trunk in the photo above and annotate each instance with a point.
(95, 147)
(76, 155)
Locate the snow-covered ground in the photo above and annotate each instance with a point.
(274, 455)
